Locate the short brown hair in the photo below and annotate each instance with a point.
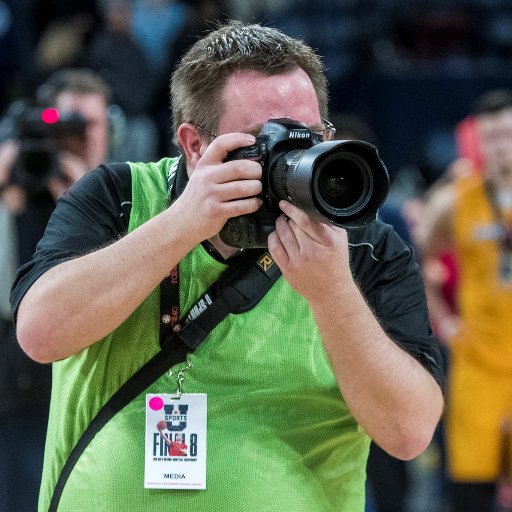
(77, 81)
(199, 79)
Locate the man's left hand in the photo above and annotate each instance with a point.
(312, 256)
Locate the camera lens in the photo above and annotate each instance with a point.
(342, 184)
(338, 188)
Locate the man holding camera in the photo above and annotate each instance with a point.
(338, 350)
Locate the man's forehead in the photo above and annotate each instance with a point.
(250, 98)
(282, 82)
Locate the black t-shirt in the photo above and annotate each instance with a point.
(96, 212)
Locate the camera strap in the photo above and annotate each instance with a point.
(240, 287)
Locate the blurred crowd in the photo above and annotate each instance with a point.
(104, 67)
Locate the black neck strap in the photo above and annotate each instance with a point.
(170, 286)
(241, 286)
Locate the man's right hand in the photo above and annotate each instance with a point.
(218, 190)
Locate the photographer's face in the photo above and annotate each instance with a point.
(251, 98)
(93, 150)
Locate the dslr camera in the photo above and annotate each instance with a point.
(340, 182)
(43, 132)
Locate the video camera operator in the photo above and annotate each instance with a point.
(53, 146)
(49, 148)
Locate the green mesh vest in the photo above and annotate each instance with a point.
(280, 436)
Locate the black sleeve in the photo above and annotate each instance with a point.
(93, 213)
(388, 275)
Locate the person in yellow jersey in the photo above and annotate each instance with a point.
(473, 216)
(338, 351)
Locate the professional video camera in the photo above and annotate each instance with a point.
(42, 133)
(338, 182)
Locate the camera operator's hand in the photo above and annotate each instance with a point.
(13, 196)
(9, 152)
(72, 168)
(218, 190)
(312, 256)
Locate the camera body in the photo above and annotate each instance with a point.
(43, 132)
(337, 182)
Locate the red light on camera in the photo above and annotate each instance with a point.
(50, 115)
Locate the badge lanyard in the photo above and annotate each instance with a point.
(175, 441)
(175, 444)
(170, 303)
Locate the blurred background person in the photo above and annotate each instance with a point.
(31, 180)
(473, 216)
(76, 92)
(440, 276)
(80, 91)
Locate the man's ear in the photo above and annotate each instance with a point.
(191, 143)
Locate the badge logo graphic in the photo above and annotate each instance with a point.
(176, 417)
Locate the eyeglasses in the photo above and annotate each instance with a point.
(326, 133)
(205, 131)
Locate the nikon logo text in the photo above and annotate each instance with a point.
(299, 135)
